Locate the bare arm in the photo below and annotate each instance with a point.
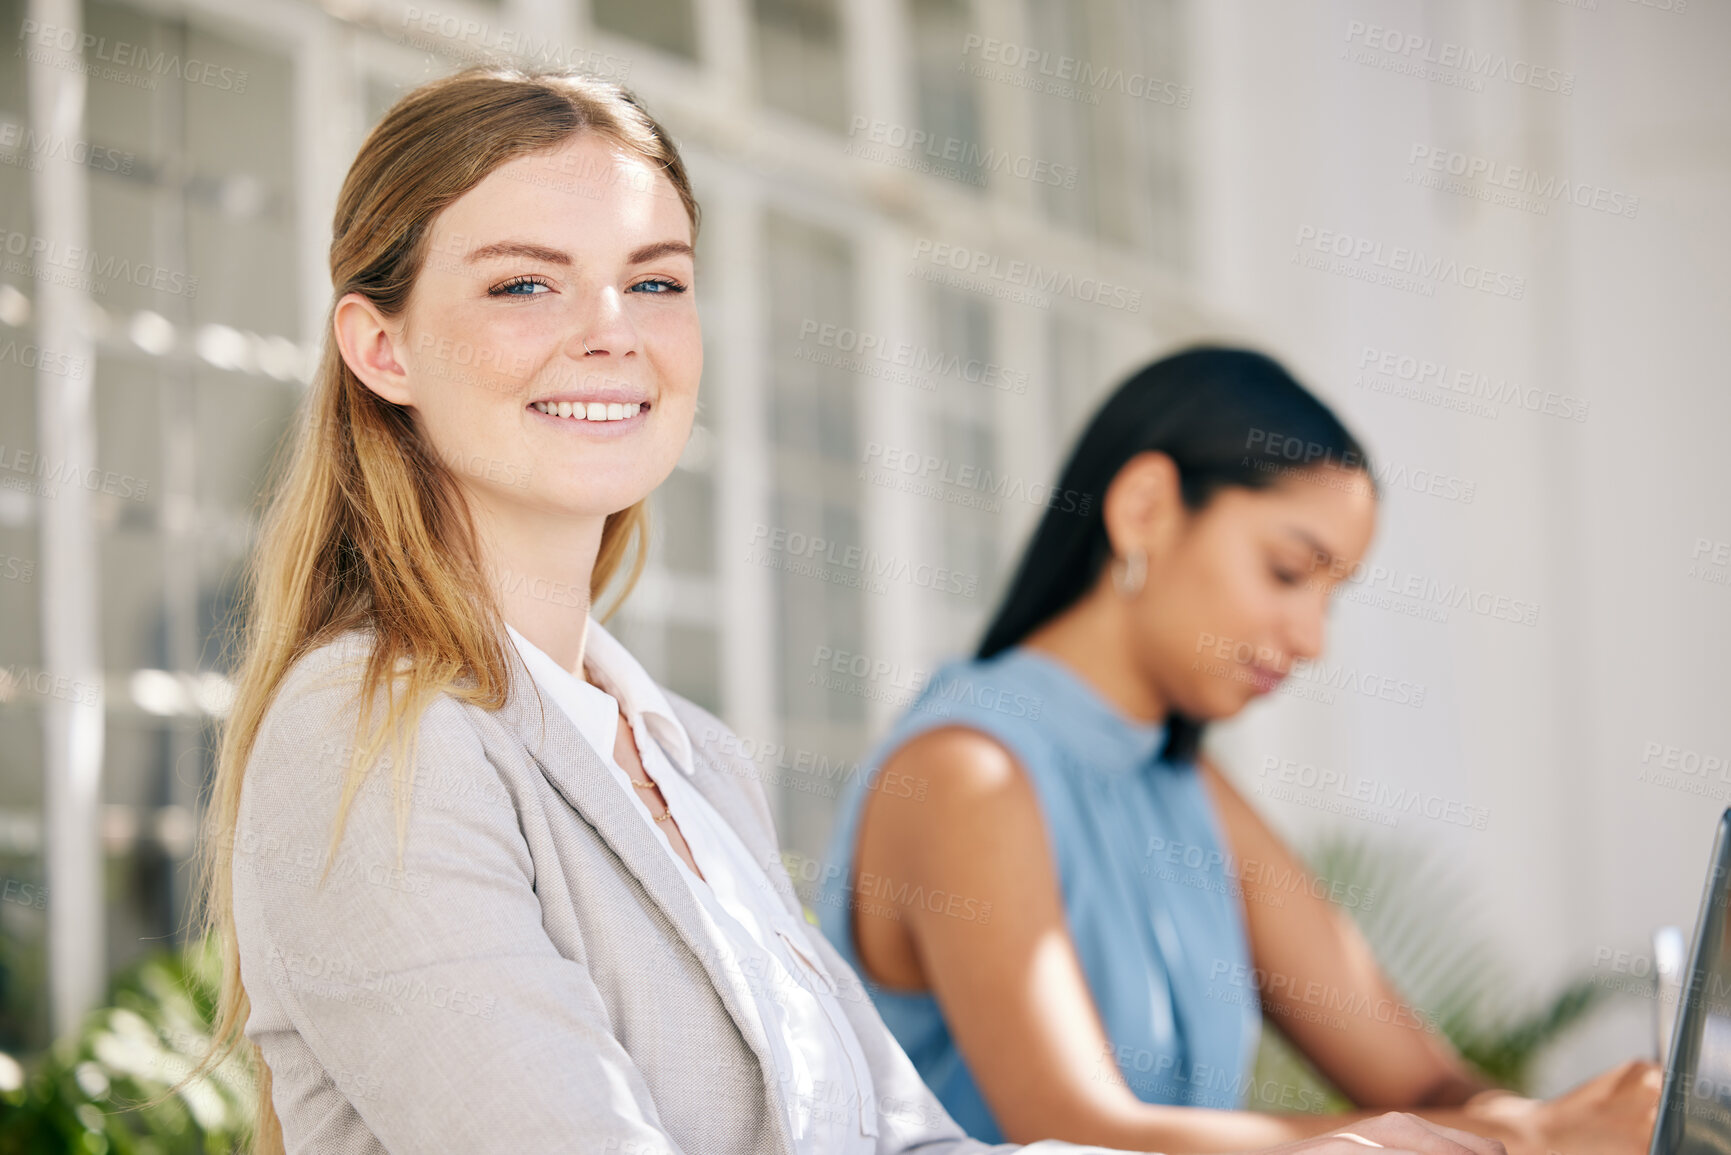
(1375, 1047)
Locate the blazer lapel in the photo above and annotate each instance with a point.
(574, 768)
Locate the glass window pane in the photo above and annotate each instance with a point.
(1075, 133)
(665, 24)
(1162, 123)
(946, 103)
(800, 60)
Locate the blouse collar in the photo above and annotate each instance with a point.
(1111, 740)
(596, 711)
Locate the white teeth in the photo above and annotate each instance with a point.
(592, 411)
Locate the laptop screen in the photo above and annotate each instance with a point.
(1695, 1110)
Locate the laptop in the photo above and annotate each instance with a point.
(1695, 1106)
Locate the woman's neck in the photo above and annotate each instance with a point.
(1092, 639)
(540, 570)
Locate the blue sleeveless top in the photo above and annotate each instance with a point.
(1148, 889)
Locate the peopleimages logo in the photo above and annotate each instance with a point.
(1709, 560)
(1399, 266)
(42, 258)
(860, 566)
(904, 354)
(135, 57)
(926, 474)
(31, 356)
(1431, 597)
(1340, 1001)
(1067, 74)
(1470, 384)
(1393, 800)
(17, 464)
(449, 32)
(1705, 774)
(1496, 177)
(974, 162)
(1414, 48)
(24, 147)
(1283, 453)
(987, 268)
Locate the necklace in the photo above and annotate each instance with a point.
(666, 814)
(666, 810)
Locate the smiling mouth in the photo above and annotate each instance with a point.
(591, 411)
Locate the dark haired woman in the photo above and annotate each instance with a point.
(1064, 912)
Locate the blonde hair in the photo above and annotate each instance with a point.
(367, 528)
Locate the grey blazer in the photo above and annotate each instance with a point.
(534, 976)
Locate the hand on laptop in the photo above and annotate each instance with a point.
(1396, 1133)
(1609, 1114)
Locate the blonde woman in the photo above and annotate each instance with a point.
(482, 885)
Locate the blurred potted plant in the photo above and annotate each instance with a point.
(101, 1090)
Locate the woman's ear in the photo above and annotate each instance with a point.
(1144, 506)
(368, 342)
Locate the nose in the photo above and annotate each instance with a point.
(1304, 634)
(606, 330)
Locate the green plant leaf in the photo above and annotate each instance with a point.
(1420, 925)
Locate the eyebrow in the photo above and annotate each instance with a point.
(1322, 551)
(553, 256)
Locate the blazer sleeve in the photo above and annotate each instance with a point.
(432, 984)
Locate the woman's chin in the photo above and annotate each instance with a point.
(1219, 706)
(560, 505)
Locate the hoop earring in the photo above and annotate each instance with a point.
(1135, 572)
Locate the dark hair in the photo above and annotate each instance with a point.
(1225, 417)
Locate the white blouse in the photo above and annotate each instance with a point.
(826, 1085)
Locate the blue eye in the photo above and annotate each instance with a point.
(658, 287)
(509, 288)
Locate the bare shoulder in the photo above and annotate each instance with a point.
(950, 811)
(950, 779)
(960, 759)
